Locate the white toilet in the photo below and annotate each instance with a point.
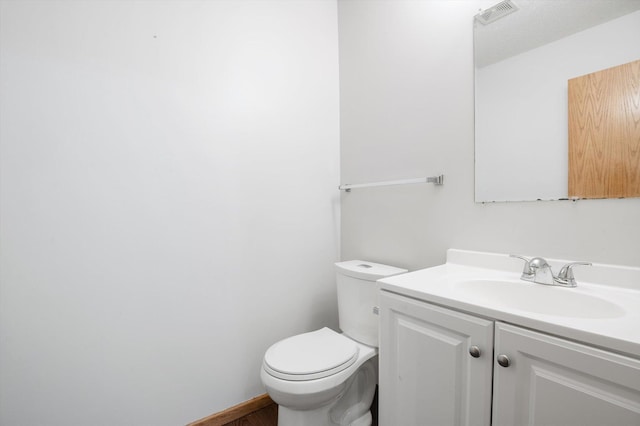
(326, 378)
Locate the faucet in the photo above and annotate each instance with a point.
(539, 271)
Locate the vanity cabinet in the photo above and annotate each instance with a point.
(427, 374)
(430, 375)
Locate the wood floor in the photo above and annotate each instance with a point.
(260, 411)
(267, 416)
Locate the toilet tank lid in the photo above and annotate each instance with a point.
(367, 270)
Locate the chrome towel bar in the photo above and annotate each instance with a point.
(438, 180)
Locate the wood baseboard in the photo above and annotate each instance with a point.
(236, 412)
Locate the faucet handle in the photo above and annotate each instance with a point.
(527, 273)
(565, 276)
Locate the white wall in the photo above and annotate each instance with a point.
(407, 110)
(521, 110)
(168, 202)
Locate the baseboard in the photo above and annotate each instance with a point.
(236, 412)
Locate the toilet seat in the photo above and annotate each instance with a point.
(309, 356)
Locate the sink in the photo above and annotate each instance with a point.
(538, 298)
(603, 310)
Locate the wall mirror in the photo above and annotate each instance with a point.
(523, 62)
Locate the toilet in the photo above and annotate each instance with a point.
(323, 377)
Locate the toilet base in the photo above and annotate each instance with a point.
(288, 417)
(352, 407)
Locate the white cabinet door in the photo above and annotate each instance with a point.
(555, 382)
(427, 374)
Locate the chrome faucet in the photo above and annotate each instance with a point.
(542, 273)
(537, 270)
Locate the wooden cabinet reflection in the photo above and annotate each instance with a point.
(604, 133)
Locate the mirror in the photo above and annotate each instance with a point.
(523, 61)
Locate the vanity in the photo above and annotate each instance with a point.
(471, 343)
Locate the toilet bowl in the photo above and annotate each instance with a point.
(308, 374)
(326, 378)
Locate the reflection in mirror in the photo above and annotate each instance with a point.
(604, 133)
(523, 62)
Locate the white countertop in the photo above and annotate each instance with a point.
(619, 285)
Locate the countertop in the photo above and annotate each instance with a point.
(619, 332)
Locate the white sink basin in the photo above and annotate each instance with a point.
(539, 298)
(603, 310)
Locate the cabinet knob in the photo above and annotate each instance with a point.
(504, 361)
(474, 351)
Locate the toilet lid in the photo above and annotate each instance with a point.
(311, 355)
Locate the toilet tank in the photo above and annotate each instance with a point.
(357, 297)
